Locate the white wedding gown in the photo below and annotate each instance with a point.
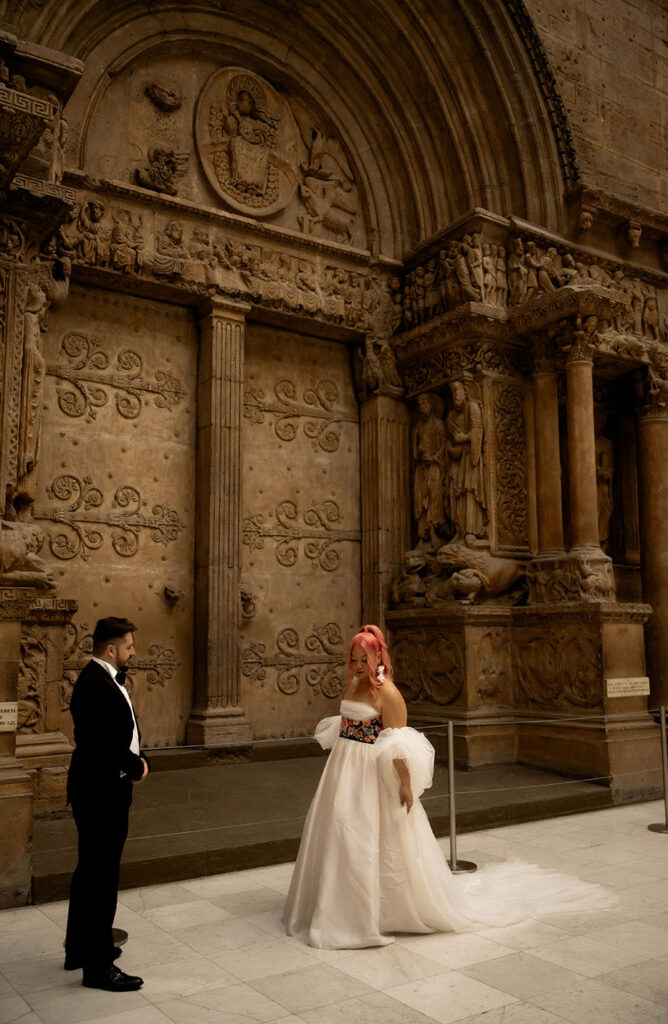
(367, 869)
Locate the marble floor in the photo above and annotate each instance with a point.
(212, 950)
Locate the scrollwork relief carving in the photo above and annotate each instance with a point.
(321, 420)
(319, 530)
(84, 513)
(84, 381)
(429, 667)
(157, 667)
(560, 670)
(321, 664)
(32, 682)
(511, 485)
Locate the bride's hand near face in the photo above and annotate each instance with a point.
(395, 717)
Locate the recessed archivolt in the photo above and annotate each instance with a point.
(436, 105)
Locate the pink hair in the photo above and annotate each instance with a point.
(372, 642)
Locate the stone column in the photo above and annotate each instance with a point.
(546, 442)
(653, 508)
(217, 716)
(16, 801)
(386, 500)
(583, 497)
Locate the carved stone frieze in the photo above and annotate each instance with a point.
(558, 669)
(84, 512)
(318, 528)
(424, 374)
(247, 140)
(429, 666)
(321, 664)
(85, 381)
(571, 578)
(316, 413)
(202, 258)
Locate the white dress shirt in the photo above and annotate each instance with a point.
(113, 672)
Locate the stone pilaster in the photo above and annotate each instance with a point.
(16, 800)
(385, 472)
(653, 509)
(217, 717)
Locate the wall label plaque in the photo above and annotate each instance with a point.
(9, 715)
(635, 686)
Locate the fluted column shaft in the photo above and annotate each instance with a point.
(386, 503)
(217, 715)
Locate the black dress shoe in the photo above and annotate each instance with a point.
(73, 964)
(112, 980)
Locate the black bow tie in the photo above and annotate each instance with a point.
(120, 677)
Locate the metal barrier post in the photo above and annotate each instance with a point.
(663, 826)
(457, 867)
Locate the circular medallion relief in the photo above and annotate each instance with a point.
(247, 141)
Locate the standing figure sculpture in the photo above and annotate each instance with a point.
(466, 471)
(429, 443)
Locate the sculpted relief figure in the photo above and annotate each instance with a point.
(20, 564)
(429, 444)
(45, 290)
(467, 502)
(247, 140)
(467, 571)
(327, 190)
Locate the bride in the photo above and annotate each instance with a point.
(369, 864)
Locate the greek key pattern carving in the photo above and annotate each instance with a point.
(85, 379)
(321, 663)
(158, 667)
(84, 513)
(562, 669)
(319, 530)
(320, 420)
(429, 667)
(512, 529)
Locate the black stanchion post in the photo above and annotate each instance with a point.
(458, 867)
(663, 826)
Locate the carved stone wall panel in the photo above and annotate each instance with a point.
(561, 670)
(301, 528)
(509, 507)
(222, 136)
(116, 486)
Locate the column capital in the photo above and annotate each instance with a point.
(654, 390)
(579, 339)
(221, 306)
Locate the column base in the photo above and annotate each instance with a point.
(219, 727)
(46, 758)
(584, 574)
(16, 816)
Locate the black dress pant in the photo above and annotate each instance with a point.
(102, 823)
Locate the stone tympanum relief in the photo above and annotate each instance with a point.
(301, 533)
(226, 136)
(247, 141)
(115, 490)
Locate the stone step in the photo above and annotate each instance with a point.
(187, 822)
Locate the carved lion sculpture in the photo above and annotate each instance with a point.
(20, 564)
(473, 571)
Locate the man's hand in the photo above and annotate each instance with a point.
(136, 782)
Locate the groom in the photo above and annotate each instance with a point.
(106, 763)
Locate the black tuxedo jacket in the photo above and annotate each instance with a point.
(103, 729)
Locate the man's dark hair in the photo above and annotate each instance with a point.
(110, 631)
